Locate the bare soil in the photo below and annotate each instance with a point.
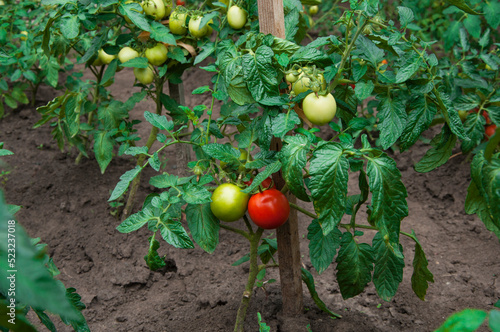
(66, 205)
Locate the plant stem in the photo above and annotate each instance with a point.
(140, 161)
(307, 213)
(252, 276)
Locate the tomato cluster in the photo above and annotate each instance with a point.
(268, 209)
(319, 106)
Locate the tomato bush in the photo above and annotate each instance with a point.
(375, 80)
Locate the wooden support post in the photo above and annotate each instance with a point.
(176, 92)
(272, 21)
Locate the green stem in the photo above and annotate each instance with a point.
(140, 161)
(236, 230)
(252, 276)
(307, 213)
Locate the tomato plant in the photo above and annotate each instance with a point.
(269, 209)
(267, 90)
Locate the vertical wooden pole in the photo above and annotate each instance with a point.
(176, 92)
(272, 21)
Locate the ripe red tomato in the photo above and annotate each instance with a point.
(490, 130)
(180, 3)
(266, 183)
(487, 117)
(269, 209)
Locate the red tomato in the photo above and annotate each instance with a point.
(487, 117)
(180, 3)
(490, 130)
(269, 209)
(384, 62)
(266, 183)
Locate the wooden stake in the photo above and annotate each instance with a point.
(272, 21)
(176, 92)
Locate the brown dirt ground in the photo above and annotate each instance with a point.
(66, 205)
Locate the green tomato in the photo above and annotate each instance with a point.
(303, 83)
(291, 78)
(154, 8)
(463, 115)
(168, 7)
(194, 27)
(145, 75)
(177, 23)
(157, 55)
(228, 202)
(127, 53)
(24, 35)
(236, 17)
(319, 109)
(313, 10)
(105, 57)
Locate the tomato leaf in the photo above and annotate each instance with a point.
(222, 152)
(103, 149)
(474, 129)
(308, 279)
(70, 26)
(491, 10)
(159, 121)
(322, 248)
(260, 73)
(153, 260)
(284, 122)
(293, 156)
(421, 275)
(204, 226)
(354, 266)
(329, 176)
(419, 120)
(388, 272)
(494, 320)
(174, 234)
(468, 320)
(392, 117)
(272, 168)
(124, 182)
(134, 222)
(405, 16)
(389, 194)
(369, 51)
(133, 11)
(194, 194)
(442, 147)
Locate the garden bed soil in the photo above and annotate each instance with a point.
(66, 205)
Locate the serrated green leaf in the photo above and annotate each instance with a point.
(204, 226)
(124, 182)
(392, 120)
(308, 279)
(195, 194)
(322, 248)
(364, 90)
(491, 10)
(164, 181)
(329, 176)
(388, 272)
(260, 73)
(153, 260)
(223, 152)
(419, 120)
(159, 121)
(173, 232)
(405, 15)
(134, 222)
(389, 194)
(421, 275)
(294, 159)
(103, 149)
(438, 154)
(354, 266)
(284, 123)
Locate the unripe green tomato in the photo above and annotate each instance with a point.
(291, 78)
(228, 202)
(177, 23)
(194, 28)
(168, 7)
(105, 57)
(313, 10)
(127, 53)
(319, 109)
(487, 67)
(25, 36)
(303, 83)
(236, 17)
(2, 3)
(145, 75)
(463, 115)
(157, 55)
(154, 8)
